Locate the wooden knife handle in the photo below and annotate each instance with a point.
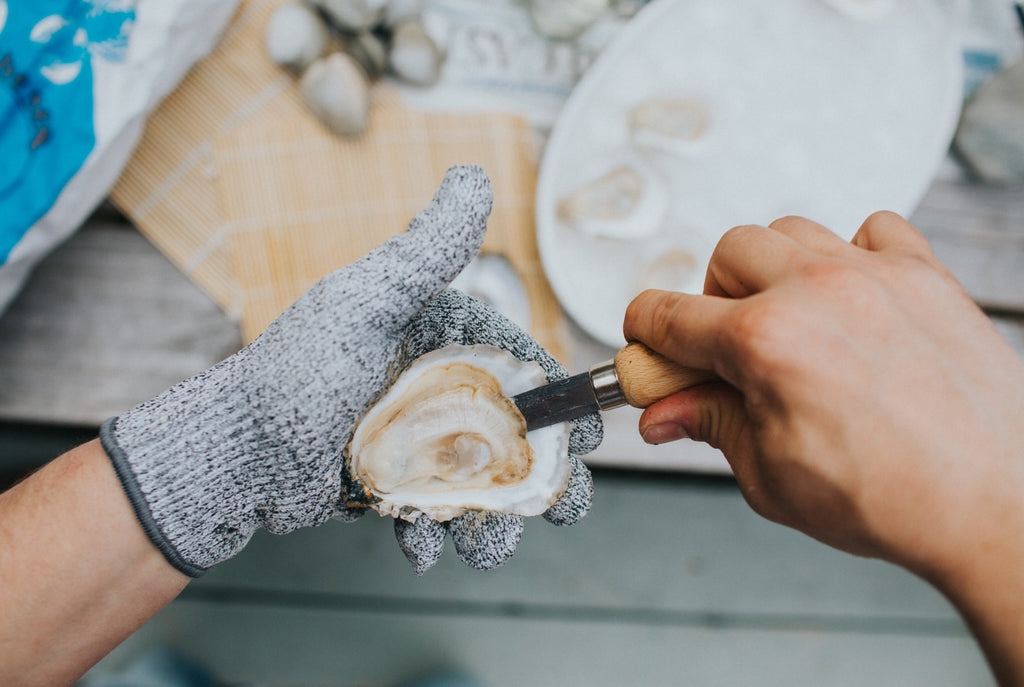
(646, 376)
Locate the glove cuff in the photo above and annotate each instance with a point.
(130, 484)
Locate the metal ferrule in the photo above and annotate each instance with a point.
(606, 386)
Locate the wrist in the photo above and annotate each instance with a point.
(978, 567)
(180, 462)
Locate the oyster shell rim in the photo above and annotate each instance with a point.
(551, 467)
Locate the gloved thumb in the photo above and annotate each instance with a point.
(415, 266)
(713, 413)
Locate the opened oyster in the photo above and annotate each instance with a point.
(446, 438)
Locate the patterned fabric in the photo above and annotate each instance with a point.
(47, 48)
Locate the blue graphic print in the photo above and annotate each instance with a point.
(47, 48)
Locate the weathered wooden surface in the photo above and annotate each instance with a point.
(104, 323)
(978, 232)
(666, 582)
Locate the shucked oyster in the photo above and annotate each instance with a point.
(627, 202)
(446, 438)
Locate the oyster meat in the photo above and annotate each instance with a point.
(446, 438)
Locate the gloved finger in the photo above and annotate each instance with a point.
(422, 541)
(486, 539)
(454, 317)
(411, 268)
(587, 434)
(575, 501)
(348, 515)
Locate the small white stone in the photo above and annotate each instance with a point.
(399, 11)
(353, 15)
(336, 90)
(565, 19)
(414, 56)
(369, 51)
(295, 36)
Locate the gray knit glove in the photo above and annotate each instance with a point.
(257, 440)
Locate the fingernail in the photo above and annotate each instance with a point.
(664, 433)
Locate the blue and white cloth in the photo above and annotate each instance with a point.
(77, 80)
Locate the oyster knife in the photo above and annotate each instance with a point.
(636, 376)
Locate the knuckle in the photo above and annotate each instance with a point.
(832, 276)
(754, 330)
(736, 236)
(787, 221)
(647, 315)
(883, 217)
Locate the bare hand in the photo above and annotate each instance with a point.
(866, 400)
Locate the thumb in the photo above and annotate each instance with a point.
(413, 267)
(713, 413)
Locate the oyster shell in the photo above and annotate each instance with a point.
(627, 202)
(676, 263)
(673, 125)
(446, 439)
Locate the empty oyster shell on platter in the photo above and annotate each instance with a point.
(672, 125)
(446, 438)
(626, 202)
(678, 262)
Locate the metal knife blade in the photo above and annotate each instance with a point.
(637, 375)
(568, 399)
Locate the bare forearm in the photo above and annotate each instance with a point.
(77, 573)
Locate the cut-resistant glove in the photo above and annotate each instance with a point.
(258, 439)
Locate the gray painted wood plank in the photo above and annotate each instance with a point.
(978, 232)
(651, 545)
(104, 323)
(271, 645)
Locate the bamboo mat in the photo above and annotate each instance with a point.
(167, 187)
(246, 193)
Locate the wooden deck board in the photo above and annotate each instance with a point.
(977, 231)
(105, 322)
(668, 582)
(653, 544)
(274, 645)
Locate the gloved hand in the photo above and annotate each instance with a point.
(257, 440)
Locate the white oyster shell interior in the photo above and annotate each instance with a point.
(626, 202)
(446, 438)
(673, 125)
